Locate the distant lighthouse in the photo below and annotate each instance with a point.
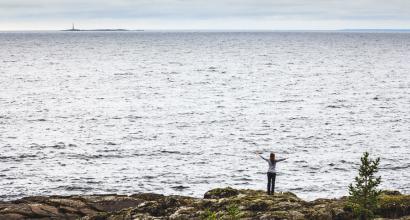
(72, 28)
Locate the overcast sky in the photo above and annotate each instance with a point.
(204, 14)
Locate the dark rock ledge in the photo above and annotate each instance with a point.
(222, 203)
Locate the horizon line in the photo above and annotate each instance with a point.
(226, 30)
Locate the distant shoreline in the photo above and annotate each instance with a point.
(405, 31)
(78, 30)
(375, 30)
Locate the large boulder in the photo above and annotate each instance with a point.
(219, 193)
(393, 205)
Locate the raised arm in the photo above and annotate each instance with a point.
(279, 160)
(262, 157)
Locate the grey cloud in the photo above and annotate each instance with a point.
(210, 7)
(206, 9)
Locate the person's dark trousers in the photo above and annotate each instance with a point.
(271, 183)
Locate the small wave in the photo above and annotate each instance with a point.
(179, 188)
(341, 169)
(243, 179)
(94, 156)
(395, 167)
(94, 182)
(6, 157)
(59, 145)
(23, 156)
(333, 106)
(39, 120)
(169, 152)
(18, 158)
(123, 74)
(149, 177)
(75, 188)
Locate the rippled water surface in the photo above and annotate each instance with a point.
(180, 113)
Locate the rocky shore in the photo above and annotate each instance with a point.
(221, 203)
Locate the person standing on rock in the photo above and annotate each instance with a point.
(271, 171)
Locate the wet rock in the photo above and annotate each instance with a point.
(12, 216)
(75, 204)
(148, 196)
(44, 210)
(113, 203)
(15, 210)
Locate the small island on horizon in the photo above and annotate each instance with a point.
(105, 29)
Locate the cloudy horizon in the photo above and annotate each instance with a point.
(212, 14)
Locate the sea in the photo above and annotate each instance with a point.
(184, 112)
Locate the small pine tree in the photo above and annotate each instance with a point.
(364, 192)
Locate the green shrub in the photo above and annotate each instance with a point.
(209, 215)
(364, 193)
(233, 212)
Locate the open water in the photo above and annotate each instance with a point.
(184, 112)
